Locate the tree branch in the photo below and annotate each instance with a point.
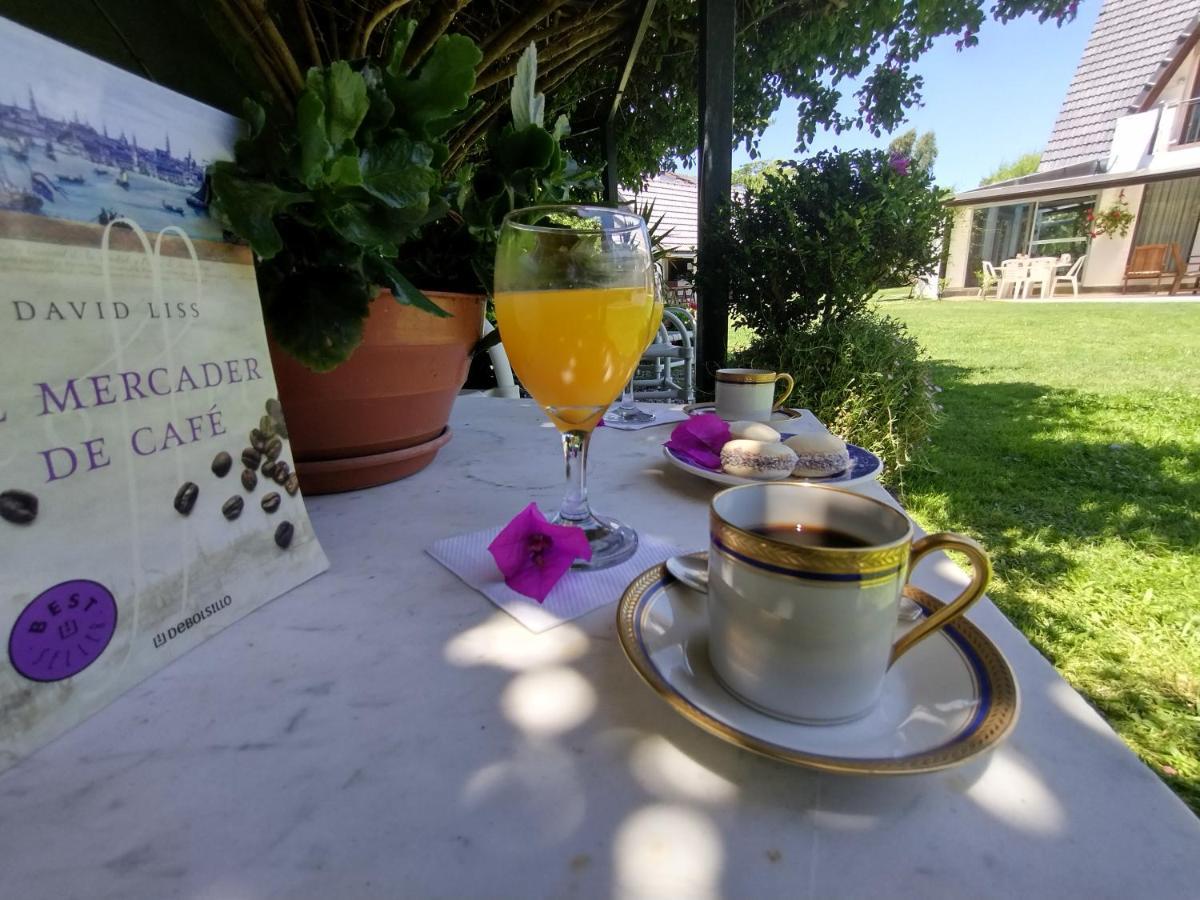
(462, 142)
(257, 52)
(499, 44)
(432, 27)
(310, 37)
(586, 35)
(374, 21)
(274, 42)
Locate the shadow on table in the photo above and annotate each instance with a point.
(1041, 475)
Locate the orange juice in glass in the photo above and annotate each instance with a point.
(574, 307)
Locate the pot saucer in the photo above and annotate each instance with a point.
(947, 700)
(783, 414)
(352, 473)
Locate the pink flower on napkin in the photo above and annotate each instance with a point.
(533, 554)
(699, 440)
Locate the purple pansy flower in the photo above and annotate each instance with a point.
(699, 440)
(899, 164)
(533, 555)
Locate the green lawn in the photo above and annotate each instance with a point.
(1071, 448)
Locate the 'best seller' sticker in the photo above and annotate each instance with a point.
(63, 630)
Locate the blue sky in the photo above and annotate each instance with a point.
(987, 104)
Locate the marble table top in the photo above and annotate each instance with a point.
(384, 731)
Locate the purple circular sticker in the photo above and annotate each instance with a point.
(63, 630)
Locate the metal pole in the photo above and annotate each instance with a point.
(717, 22)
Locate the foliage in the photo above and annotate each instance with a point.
(921, 152)
(753, 175)
(1112, 221)
(864, 375)
(1025, 164)
(816, 241)
(985, 281)
(524, 165)
(804, 49)
(327, 197)
(1075, 464)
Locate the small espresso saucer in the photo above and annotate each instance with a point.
(783, 414)
(950, 698)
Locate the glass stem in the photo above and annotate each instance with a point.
(575, 503)
(627, 394)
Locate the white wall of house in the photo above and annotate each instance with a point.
(1105, 265)
(960, 245)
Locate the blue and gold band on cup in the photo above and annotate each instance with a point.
(849, 566)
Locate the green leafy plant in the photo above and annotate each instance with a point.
(523, 164)
(327, 196)
(822, 235)
(865, 376)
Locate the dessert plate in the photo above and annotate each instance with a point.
(864, 465)
(950, 698)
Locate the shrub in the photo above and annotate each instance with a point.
(818, 237)
(864, 376)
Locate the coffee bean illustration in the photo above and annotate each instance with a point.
(249, 479)
(268, 468)
(292, 485)
(20, 507)
(251, 458)
(232, 508)
(258, 440)
(274, 447)
(283, 534)
(185, 497)
(270, 502)
(282, 473)
(266, 425)
(221, 464)
(275, 412)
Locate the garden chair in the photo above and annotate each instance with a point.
(991, 279)
(1147, 261)
(1184, 272)
(1041, 276)
(1014, 272)
(1072, 276)
(671, 360)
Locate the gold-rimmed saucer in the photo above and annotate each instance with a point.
(952, 697)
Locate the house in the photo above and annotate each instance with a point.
(1128, 132)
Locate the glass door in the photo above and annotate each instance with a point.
(1061, 226)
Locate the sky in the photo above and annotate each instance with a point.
(66, 82)
(987, 105)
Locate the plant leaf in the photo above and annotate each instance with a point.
(529, 148)
(344, 94)
(316, 314)
(528, 107)
(442, 85)
(382, 272)
(344, 172)
(314, 144)
(399, 173)
(402, 32)
(562, 127)
(249, 207)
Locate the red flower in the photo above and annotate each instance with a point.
(699, 440)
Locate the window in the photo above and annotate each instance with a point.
(1061, 226)
(1169, 214)
(997, 233)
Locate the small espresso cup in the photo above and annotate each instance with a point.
(804, 587)
(749, 394)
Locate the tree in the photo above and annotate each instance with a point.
(921, 152)
(1025, 164)
(753, 175)
(784, 48)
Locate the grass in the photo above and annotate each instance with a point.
(1071, 448)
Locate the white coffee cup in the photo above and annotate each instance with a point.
(748, 395)
(807, 633)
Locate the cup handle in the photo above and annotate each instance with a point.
(981, 572)
(787, 393)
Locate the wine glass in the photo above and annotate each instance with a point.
(574, 302)
(627, 411)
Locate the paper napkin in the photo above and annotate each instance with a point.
(663, 415)
(579, 592)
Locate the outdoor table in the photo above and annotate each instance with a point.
(384, 731)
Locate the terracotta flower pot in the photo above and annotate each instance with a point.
(382, 414)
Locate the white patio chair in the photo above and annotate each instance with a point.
(1014, 273)
(991, 279)
(1041, 276)
(1072, 276)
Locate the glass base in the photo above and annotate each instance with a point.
(612, 543)
(628, 415)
